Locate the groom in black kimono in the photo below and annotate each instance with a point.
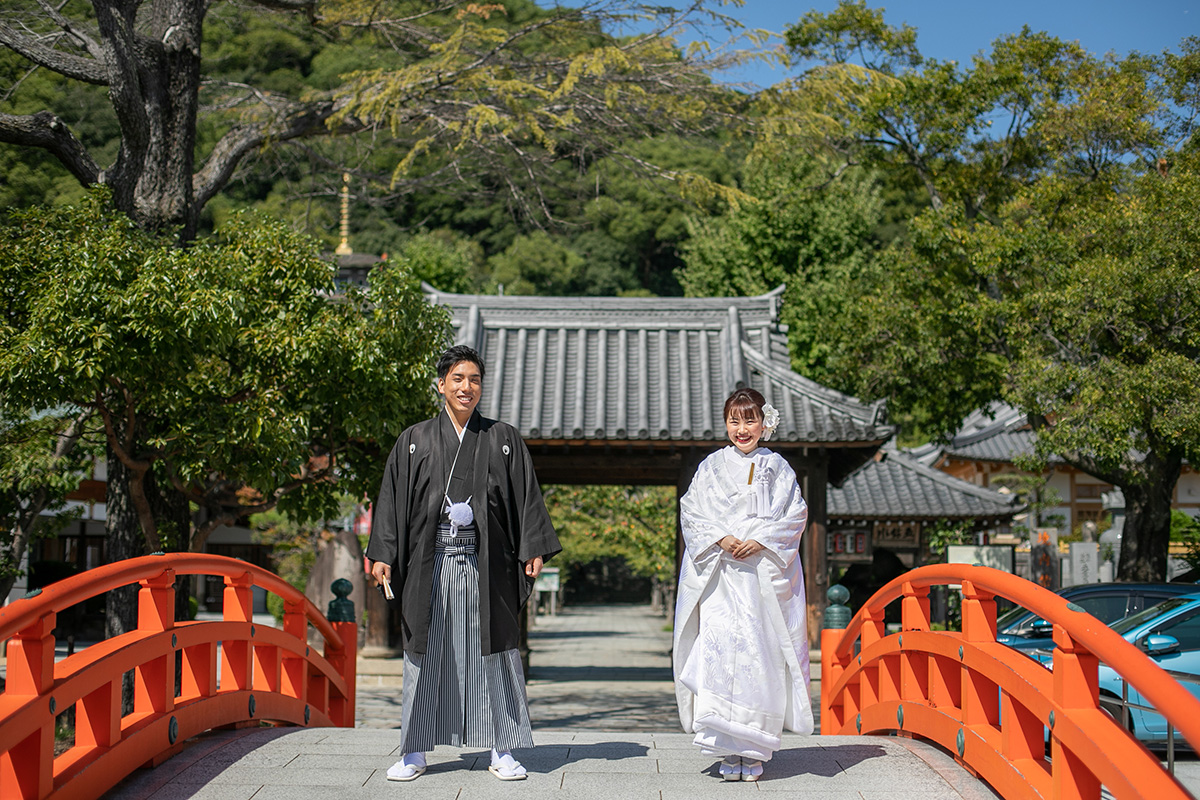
(459, 534)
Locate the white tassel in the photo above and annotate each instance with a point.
(460, 515)
(762, 494)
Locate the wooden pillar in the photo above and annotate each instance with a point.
(687, 469)
(812, 470)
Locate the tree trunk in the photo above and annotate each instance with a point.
(21, 535)
(1147, 534)
(154, 90)
(125, 540)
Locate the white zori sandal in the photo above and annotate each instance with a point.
(752, 769)
(505, 767)
(731, 768)
(410, 767)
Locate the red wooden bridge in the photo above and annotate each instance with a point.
(990, 705)
(264, 674)
(984, 704)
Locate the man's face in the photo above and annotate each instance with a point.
(462, 388)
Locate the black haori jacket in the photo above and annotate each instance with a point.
(495, 471)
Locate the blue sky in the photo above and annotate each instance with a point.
(958, 29)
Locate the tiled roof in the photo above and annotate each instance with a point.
(637, 369)
(897, 486)
(996, 433)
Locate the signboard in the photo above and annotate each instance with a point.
(996, 556)
(1044, 536)
(547, 580)
(1085, 563)
(898, 534)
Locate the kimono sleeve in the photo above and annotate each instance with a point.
(389, 516)
(699, 519)
(537, 536)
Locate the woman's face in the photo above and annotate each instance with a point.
(744, 430)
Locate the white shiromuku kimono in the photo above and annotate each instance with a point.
(741, 638)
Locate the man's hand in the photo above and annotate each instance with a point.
(381, 572)
(746, 548)
(533, 567)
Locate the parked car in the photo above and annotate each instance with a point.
(1023, 630)
(1169, 633)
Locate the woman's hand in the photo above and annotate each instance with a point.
(729, 544)
(747, 548)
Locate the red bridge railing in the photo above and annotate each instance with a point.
(232, 671)
(990, 704)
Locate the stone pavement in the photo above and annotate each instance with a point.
(291, 764)
(603, 710)
(592, 668)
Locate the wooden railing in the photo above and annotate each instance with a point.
(231, 671)
(990, 704)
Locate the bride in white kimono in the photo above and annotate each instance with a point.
(741, 638)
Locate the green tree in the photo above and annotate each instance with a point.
(799, 229)
(636, 523)
(42, 458)
(1078, 307)
(232, 371)
(1028, 279)
(452, 87)
(975, 135)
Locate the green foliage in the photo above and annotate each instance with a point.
(800, 229)
(941, 534)
(975, 135)
(231, 368)
(35, 477)
(1033, 494)
(1186, 529)
(294, 546)
(443, 259)
(633, 522)
(1184, 526)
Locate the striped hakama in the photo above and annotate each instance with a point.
(453, 694)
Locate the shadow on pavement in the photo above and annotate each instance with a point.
(592, 673)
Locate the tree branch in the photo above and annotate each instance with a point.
(88, 70)
(237, 143)
(47, 131)
(73, 31)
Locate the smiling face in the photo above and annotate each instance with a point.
(745, 428)
(462, 388)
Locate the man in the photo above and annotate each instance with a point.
(459, 534)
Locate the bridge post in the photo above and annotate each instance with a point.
(27, 769)
(345, 661)
(872, 631)
(837, 617)
(980, 696)
(1076, 686)
(237, 666)
(294, 669)
(914, 666)
(154, 680)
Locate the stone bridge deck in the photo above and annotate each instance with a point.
(603, 709)
(292, 764)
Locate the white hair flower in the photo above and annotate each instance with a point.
(770, 421)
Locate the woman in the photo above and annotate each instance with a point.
(741, 638)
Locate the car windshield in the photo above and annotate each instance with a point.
(1010, 616)
(1123, 626)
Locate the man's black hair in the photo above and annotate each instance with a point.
(456, 355)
